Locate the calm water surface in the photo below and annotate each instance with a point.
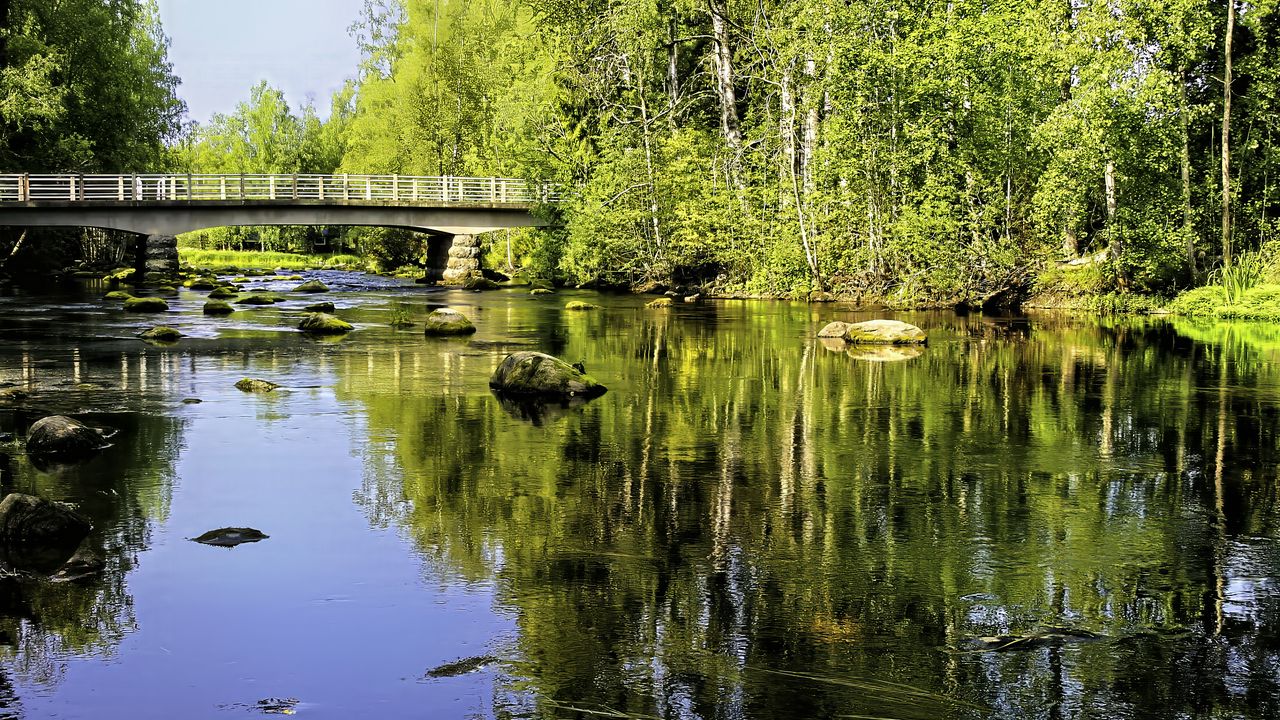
(748, 525)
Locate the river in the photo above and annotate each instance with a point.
(1036, 517)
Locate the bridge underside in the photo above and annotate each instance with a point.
(453, 251)
(173, 217)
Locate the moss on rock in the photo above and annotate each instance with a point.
(254, 385)
(320, 307)
(117, 295)
(312, 286)
(145, 304)
(324, 324)
(537, 374)
(448, 322)
(161, 333)
(579, 305)
(218, 307)
(884, 332)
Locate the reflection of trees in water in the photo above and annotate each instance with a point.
(749, 503)
(123, 491)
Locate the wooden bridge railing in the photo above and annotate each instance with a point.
(386, 188)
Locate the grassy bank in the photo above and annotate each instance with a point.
(208, 259)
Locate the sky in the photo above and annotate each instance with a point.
(221, 48)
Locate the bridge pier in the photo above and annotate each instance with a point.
(156, 254)
(464, 260)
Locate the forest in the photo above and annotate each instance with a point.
(911, 153)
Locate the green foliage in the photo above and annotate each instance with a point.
(1199, 301)
(1242, 275)
(216, 259)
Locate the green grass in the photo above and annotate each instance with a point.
(254, 259)
(1260, 302)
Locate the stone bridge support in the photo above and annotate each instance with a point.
(464, 260)
(156, 254)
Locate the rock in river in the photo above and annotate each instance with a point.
(537, 374)
(258, 300)
(223, 293)
(162, 333)
(884, 332)
(480, 283)
(218, 307)
(448, 322)
(145, 304)
(117, 295)
(324, 324)
(27, 519)
(579, 305)
(662, 302)
(320, 307)
(231, 536)
(835, 329)
(254, 385)
(58, 436)
(312, 286)
(541, 291)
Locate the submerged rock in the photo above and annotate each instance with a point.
(538, 374)
(883, 353)
(324, 324)
(223, 293)
(27, 519)
(61, 437)
(448, 322)
(312, 286)
(1038, 639)
(255, 385)
(540, 291)
(162, 333)
(117, 295)
(834, 329)
(461, 667)
(145, 304)
(230, 536)
(579, 305)
(218, 307)
(83, 564)
(480, 283)
(884, 332)
(320, 307)
(662, 302)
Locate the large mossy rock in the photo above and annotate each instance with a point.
(258, 300)
(61, 437)
(579, 305)
(541, 291)
(834, 329)
(536, 374)
(31, 520)
(202, 283)
(223, 293)
(312, 286)
(662, 302)
(118, 295)
(320, 307)
(480, 283)
(145, 304)
(218, 308)
(254, 385)
(161, 333)
(324, 324)
(448, 322)
(884, 332)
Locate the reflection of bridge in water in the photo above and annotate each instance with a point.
(449, 209)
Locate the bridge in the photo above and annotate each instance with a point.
(451, 210)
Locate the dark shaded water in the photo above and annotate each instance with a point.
(748, 525)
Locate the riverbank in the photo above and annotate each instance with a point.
(218, 259)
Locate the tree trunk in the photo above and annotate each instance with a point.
(1113, 234)
(1226, 138)
(787, 127)
(673, 73)
(809, 143)
(1187, 225)
(723, 62)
